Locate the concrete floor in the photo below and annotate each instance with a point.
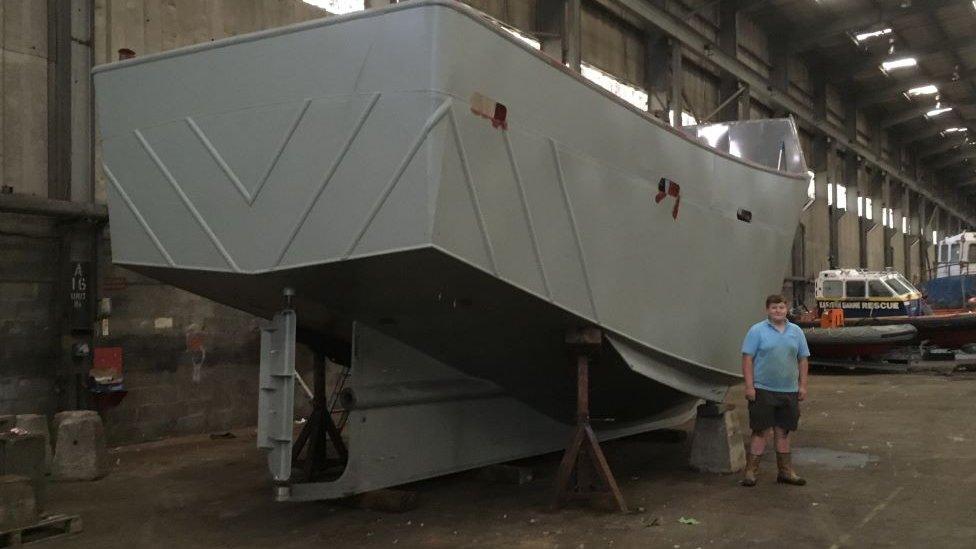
(891, 461)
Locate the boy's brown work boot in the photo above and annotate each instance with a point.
(752, 469)
(786, 474)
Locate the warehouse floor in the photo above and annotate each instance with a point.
(891, 461)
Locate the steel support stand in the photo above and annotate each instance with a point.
(319, 429)
(585, 344)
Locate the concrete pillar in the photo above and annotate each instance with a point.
(559, 22)
(657, 70)
(779, 77)
(676, 102)
(717, 444)
(728, 44)
(59, 100)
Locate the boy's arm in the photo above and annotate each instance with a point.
(804, 366)
(747, 375)
(804, 374)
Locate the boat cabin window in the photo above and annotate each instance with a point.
(943, 253)
(904, 282)
(855, 288)
(899, 288)
(954, 253)
(971, 254)
(876, 288)
(833, 288)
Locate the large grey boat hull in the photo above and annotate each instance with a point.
(364, 162)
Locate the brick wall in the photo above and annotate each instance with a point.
(28, 265)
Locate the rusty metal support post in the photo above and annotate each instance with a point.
(585, 344)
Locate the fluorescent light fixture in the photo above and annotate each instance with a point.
(935, 236)
(923, 90)
(860, 206)
(902, 63)
(338, 7)
(937, 112)
(862, 36)
(868, 210)
(830, 194)
(954, 129)
(841, 197)
(904, 225)
(812, 186)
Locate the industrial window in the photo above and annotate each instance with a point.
(338, 7)
(876, 288)
(841, 200)
(855, 288)
(833, 288)
(904, 224)
(532, 42)
(687, 119)
(635, 96)
(954, 253)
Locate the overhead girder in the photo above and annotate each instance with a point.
(946, 146)
(862, 19)
(957, 158)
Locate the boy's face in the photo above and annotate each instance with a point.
(776, 311)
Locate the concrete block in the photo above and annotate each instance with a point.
(79, 450)
(37, 424)
(23, 455)
(18, 507)
(72, 414)
(717, 443)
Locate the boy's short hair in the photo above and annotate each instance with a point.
(774, 298)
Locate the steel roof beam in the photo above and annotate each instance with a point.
(899, 87)
(861, 20)
(953, 160)
(944, 147)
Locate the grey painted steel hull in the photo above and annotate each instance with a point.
(344, 158)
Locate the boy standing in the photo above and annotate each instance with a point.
(775, 368)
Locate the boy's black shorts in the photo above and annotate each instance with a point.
(774, 409)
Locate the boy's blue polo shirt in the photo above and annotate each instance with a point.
(775, 355)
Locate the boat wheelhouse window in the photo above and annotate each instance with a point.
(899, 288)
(971, 254)
(943, 254)
(904, 282)
(876, 288)
(833, 288)
(855, 288)
(954, 253)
